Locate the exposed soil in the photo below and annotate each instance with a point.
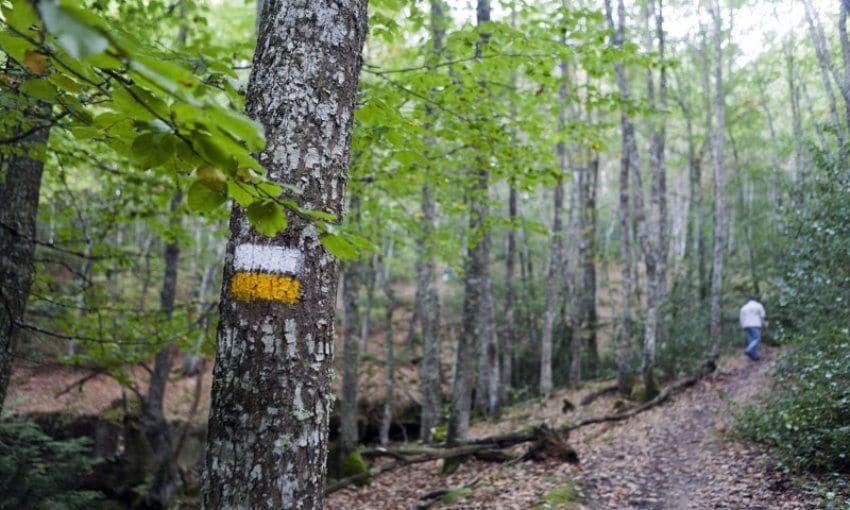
(675, 456)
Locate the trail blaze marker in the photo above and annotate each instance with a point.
(266, 273)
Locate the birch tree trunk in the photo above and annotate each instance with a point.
(716, 325)
(271, 396)
(19, 191)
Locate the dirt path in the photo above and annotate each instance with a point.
(675, 456)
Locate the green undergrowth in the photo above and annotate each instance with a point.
(567, 496)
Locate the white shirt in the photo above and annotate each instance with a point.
(752, 314)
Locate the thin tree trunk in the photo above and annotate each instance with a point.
(272, 395)
(389, 357)
(19, 191)
(556, 252)
(509, 333)
(348, 411)
(826, 69)
(655, 250)
(624, 332)
(716, 326)
(157, 430)
(431, 387)
(797, 123)
(587, 256)
(477, 328)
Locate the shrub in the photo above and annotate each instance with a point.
(38, 472)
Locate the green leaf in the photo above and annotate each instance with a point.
(267, 217)
(151, 150)
(79, 38)
(339, 246)
(21, 16)
(202, 198)
(39, 89)
(241, 193)
(15, 46)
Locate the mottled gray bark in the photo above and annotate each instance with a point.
(156, 428)
(431, 387)
(478, 322)
(588, 219)
(553, 282)
(628, 165)
(556, 273)
(655, 249)
(508, 337)
(271, 396)
(348, 408)
(19, 190)
(389, 339)
(719, 172)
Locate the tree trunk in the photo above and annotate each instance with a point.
(389, 356)
(655, 250)
(348, 408)
(716, 326)
(624, 332)
(797, 123)
(587, 256)
(431, 387)
(552, 281)
(508, 350)
(271, 396)
(19, 191)
(556, 249)
(157, 429)
(826, 69)
(477, 328)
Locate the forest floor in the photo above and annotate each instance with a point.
(675, 456)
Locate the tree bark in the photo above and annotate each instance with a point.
(477, 328)
(156, 427)
(827, 69)
(655, 249)
(624, 332)
(797, 123)
(718, 250)
(348, 409)
(587, 255)
(431, 387)
(389, 356)
(487, 394)
(19, 192)
(271, 396)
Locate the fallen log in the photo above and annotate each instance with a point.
(589, 398)
(548, 442)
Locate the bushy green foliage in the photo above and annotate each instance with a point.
(38, 472)
(806, 419)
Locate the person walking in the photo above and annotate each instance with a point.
(752, 321)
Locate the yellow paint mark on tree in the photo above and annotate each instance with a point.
(265, 287)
